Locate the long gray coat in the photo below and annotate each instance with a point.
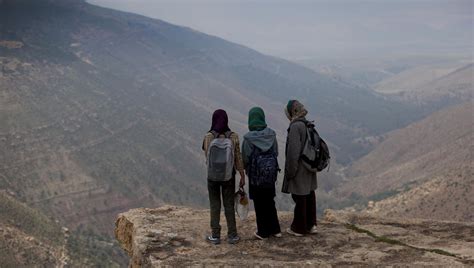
(297, 180)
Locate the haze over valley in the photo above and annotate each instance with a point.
(102, 111)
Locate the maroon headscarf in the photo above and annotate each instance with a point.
(220, 122)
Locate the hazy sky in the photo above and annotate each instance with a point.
(298, 29)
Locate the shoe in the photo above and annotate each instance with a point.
(213, 240)
(288, 230)
(313, 230)
(233, 240)
(279, 235)
(258, 236)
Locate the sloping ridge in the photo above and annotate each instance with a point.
(447, 197)
(436, 151)
(432, 83)
(457, 84)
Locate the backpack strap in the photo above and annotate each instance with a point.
(214, 133)
(308, 124)
(227, 134)
(299, 120)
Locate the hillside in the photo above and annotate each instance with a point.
(431, 83)
(432, 156)
(443, 198)
(28, 238)
(175, 236)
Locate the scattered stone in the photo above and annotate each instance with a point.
(150, 235)
(11, 44)
(176, 243)
(370, 205)
(161, 255)
(172, 235)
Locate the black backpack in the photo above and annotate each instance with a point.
(263, 168)
(315, 153)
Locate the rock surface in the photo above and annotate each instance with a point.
(174, 236)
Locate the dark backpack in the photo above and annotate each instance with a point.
(315, 153)
(263, 168)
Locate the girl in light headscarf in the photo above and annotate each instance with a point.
(299, 181)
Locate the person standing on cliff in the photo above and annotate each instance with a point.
(259, 154)
(298, 181)
(223, 157)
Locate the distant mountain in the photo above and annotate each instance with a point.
(431, 83)
(370, 72)
(101, 110)
(429, 163)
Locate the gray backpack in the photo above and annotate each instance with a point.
(220, 158)
(315, 154)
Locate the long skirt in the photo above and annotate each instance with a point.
(265, 211)
(305, 213)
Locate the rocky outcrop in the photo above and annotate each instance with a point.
(174, 236)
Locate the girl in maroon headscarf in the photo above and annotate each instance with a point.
(226, 188)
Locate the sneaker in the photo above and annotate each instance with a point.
(279, 235)
(313, 230)
(213, 240)
(288, 230)
(258, 236)
(233, 240)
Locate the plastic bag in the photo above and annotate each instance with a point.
(241, 204)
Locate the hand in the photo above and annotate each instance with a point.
(242, 181)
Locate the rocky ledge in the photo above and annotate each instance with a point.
(174, 236)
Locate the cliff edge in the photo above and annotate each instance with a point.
(174, 236)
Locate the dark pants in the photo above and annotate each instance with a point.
(305, 213)
(267, 217)
(227, 188)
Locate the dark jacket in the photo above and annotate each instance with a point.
(263, 139)
(297, 180)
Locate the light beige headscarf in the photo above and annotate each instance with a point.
(295, 110)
